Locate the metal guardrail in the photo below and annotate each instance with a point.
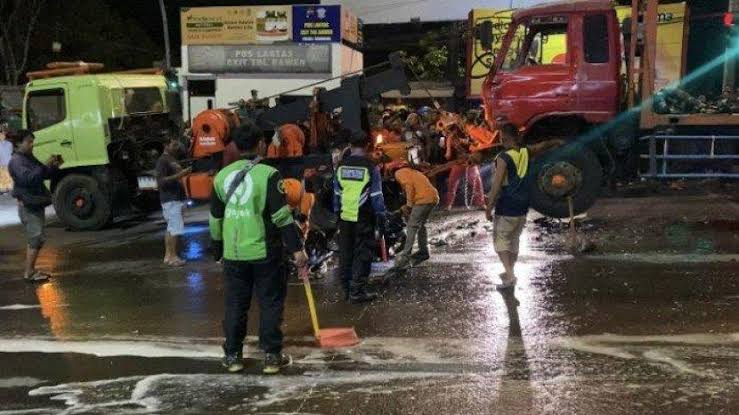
(659, 164)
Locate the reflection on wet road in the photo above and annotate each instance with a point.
(117, 332)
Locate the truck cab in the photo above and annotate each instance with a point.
(556, 74)
(557, 61)
(110, 129)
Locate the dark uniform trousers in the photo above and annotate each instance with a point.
(268, 280)
(357, 247)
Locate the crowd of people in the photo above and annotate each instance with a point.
(259, 220)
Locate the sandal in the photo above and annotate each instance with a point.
(176, 262)
(37, 276)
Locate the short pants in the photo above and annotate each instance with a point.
(34, 221)
(507, 233)
(172, 212)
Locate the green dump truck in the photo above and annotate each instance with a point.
(110, 129)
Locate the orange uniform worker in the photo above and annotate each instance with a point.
(421, 199)
(482, 138)
(299, 201)
(291, 142)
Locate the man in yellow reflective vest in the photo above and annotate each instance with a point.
(359, 202)
(510, 196)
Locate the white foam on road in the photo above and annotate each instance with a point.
(649, 347)
(371, 351)
(16, 307)
(658, 258)
(706, 339)
(178, 392)
(19, 382)
(110, 348)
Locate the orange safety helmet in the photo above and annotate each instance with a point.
(293, 191)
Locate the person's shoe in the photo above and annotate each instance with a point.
(36, 277)
(274, 362)
(332, 246)
(359, 296)
(418, 258)
(233, 362)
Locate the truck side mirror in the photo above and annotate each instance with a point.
(485, 34)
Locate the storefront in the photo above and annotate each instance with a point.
(229, 51)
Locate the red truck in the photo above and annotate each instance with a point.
(595, 95)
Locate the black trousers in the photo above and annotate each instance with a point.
(268, 280)
(357, 248)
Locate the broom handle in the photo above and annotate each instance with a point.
(383, 248)
(311, 308)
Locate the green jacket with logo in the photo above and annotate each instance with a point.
(257, 219)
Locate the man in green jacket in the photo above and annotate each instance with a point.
(251, 226)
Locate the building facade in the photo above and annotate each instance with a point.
(229, 51)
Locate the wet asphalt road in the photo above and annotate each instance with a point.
(117, 332)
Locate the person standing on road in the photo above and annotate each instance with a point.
(510, 197)
(250, 221)
(6, 152)
(359, 202)
(33, 197)
(172, 197)
(421, 199)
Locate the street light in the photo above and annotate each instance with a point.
(165, 27)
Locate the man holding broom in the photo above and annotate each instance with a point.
(250, 222)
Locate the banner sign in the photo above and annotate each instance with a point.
(350, 27)
(317, 23)
(295, 58)
(235, 25)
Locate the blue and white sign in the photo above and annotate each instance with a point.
(317, 23)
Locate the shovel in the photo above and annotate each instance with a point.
(326, 338)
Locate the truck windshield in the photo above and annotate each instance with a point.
(531, 45)
(140, 100)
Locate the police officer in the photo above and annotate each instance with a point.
(250, 222)
(359, 202)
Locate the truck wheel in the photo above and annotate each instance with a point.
(81, 204)
(573, 170)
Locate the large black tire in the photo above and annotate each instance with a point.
(81, 204)
(583, 196)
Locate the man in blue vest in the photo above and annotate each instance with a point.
(359, 202)
(510, 195)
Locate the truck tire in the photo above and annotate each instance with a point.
(81, 204)
(584, 164)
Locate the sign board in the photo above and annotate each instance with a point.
(317, 23)
(294, 58)
(350, 30)
(669, 45)
(670, 26)
(235, 25)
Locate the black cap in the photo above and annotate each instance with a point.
(358, 139)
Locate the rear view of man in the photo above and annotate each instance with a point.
(359, 202)
(33, 197)
(250, 221)
(510, 197)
